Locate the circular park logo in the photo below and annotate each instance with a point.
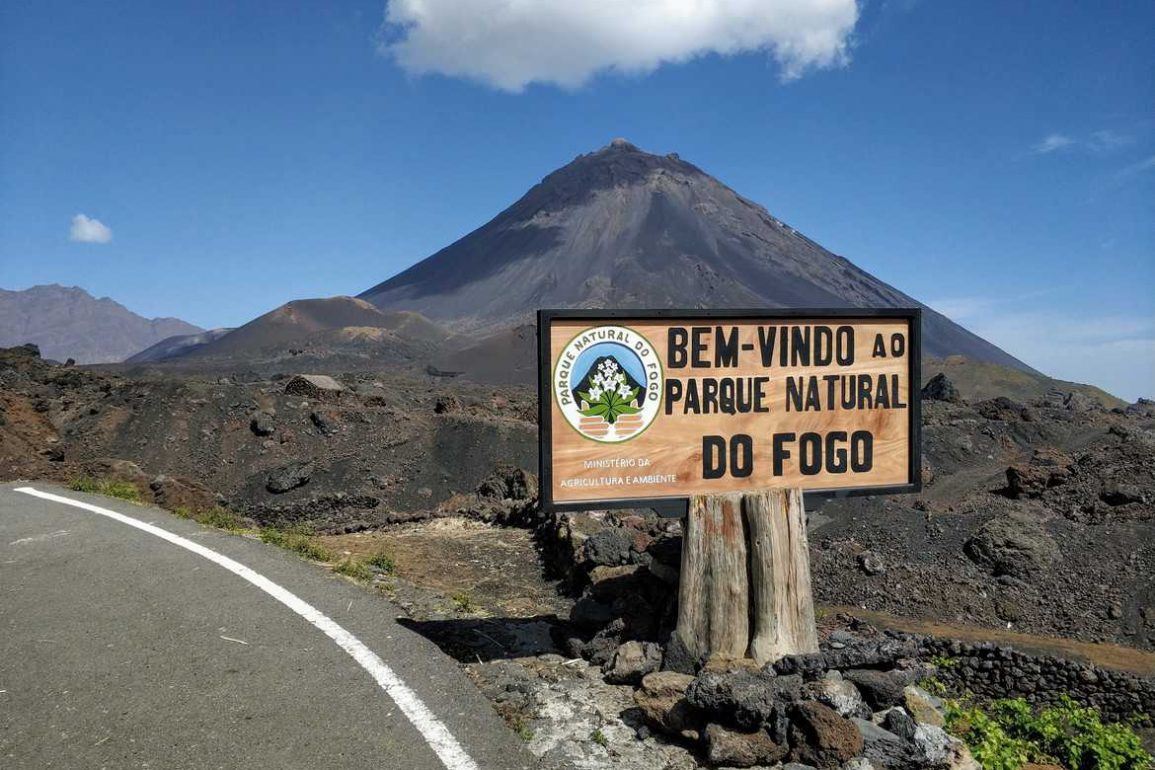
(608, 383)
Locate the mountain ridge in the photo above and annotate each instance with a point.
(623, 228)
(69, 322)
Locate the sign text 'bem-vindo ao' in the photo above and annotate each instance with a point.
(646, 407)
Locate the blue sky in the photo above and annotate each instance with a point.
(996, 160)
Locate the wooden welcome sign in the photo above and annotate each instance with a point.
(641, 408)
(729, 417)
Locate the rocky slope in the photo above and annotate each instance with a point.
(68, 322)
(1053, 496)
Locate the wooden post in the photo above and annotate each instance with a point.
(745, 580)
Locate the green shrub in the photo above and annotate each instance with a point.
(382, 562)
(1010, 732)
(1075, 735)
(521, 728)
(221, 518)
(298, 541)
(988, 741)
(107, 487)
(463, 602)
(353, 568)
(934, 686)
(85, 484)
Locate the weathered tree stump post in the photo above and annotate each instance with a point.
(745, 580)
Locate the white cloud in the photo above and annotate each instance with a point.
(1115, 352)
(1147, 164)
(89, 230)
(1052, 142)
(1108, 141)
(1101, 142)
(565, 42)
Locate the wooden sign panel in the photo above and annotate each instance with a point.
(643, 408)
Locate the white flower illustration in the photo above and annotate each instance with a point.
(610, 393)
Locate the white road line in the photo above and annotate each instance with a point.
(436, 734)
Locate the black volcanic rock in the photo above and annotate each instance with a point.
(68, 322)
(626, 229)
(940, 388)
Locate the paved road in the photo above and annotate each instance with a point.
(119, 648)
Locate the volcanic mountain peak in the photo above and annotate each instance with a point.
(623, 228)
(618, 163)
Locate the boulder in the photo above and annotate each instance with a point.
(610, 546)
(631, 661)
(897, 721)
(326, 421)
(871, 563)
(741, 749)
(1047, 468)
(1015, 544)
(820, 737)
(940, 388)
(922, 706)
(838, 694)
(746, 699)
(509, 483)
(880, 689)
(316, 386)
(607, 583)
(1004, 409)
(937, 749)
(289, 477)
(884, 748)
(808, 665)
(262, 425)
(1118, 493)
(662, 700)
